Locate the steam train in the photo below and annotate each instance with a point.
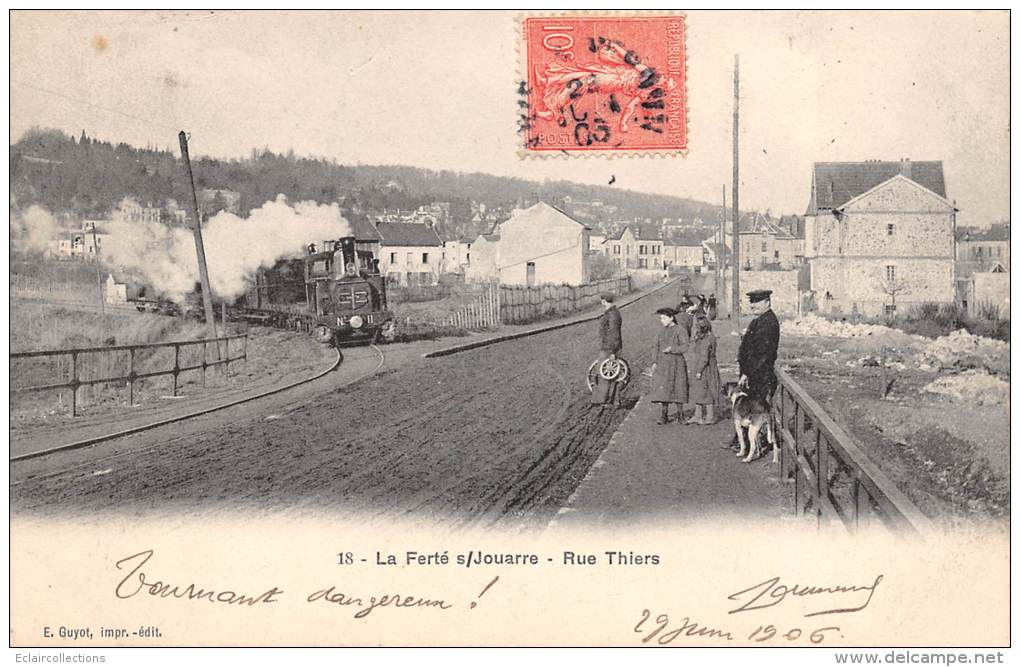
(335, 293)
(345, 294)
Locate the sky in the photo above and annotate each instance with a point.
(439, 90)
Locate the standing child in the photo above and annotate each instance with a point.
(669, 380)
(705, 384)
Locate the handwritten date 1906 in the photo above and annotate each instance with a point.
(663, 632)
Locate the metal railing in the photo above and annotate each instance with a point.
(832, 477)
(75, 380)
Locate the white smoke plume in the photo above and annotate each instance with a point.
(235, 247)
(32, 230)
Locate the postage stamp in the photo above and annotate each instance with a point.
(604, 83)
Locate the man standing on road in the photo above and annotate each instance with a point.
(610, 344)
(759, 348)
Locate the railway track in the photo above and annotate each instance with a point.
(94, 440)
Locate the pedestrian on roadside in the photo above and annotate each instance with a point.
(704, 369)
(713, 307)
(669, 379)
(610, 344)
(683, 315)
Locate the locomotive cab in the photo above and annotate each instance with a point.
(346, 292)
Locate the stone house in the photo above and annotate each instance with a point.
(542, 244)
(879, 236)
(538, 245)
(982, 250)
(484, 260)
(456, 256)
(765, 244)
(635, 248)
(409, 254)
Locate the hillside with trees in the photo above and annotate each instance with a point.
(88, 178)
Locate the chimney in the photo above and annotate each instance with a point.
(905, 167)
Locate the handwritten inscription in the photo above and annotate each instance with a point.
(772, 592)
(137, 582)
(332, 596)
(664, 630)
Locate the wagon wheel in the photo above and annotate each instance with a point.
(591, 375)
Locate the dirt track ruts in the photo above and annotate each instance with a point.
(498, 434)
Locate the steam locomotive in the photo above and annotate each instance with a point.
(345, 294)
(335, 293)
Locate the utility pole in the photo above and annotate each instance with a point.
(720, 260)
(735, 306)
(203, 271)
(99, 270)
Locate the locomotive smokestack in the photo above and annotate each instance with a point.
(345, 246)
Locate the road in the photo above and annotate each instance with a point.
(500, 434)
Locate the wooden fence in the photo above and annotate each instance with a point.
(31, 287)
(483, 313)
(520, 305)
(89, 367)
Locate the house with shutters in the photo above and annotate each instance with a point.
(636, 248)
(982, 250)
(410, 254)
(879, 236)
(764, 244)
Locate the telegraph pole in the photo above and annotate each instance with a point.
(720, 260)
(203, 271)
(99, 270)
(736, 191)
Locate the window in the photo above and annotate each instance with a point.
(426, 278)
(616, 250)
(641, 249)
(393, 258)
(764, 246)
(468, 258)
(890, 229)
(890, 309)
(628, 249)
(410, 257)
(776, 254)
(424, 258)
(890, 273)
(642, 263)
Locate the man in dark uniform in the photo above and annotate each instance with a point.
(610, 344)
(759, 347)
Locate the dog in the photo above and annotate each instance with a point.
(754, 415)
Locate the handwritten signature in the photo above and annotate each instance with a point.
(772, 592)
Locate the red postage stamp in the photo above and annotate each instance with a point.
(604, 83)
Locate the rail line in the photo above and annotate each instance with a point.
(198, 413)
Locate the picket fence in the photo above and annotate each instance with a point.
(508, 304)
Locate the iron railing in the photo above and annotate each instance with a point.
(832, 477)
(75, 382)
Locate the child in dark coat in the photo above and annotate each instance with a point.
(669, 379)
(705, 383)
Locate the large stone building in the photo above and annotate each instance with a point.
(879, 236)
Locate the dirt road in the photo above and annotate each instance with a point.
(499, 434)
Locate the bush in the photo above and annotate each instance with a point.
(938, 319)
